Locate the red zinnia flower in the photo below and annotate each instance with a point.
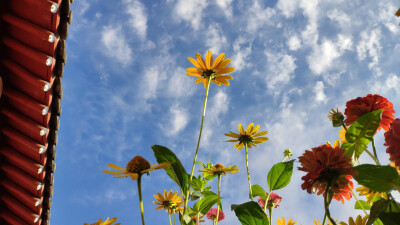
(355, 108)
(326, 164)
(212, 214)
(273, 200)
(392, 140)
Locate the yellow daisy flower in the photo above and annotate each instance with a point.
(359, 221)
(342, 135)
(369, 194)
(283, 222)
(209, 69)
(248, 136)
(170, 201)
(137, 166)
(220, 169)
(107, 222)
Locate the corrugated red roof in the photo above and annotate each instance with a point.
(32, 58)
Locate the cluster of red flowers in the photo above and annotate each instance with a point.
(392, 140)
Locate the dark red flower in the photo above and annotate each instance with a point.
(392, 140)
(355, 108)
(327, 165)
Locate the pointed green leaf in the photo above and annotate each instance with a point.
(279, 175)
(258, 191)
(363, 204)
(377, 208)
(250, 213)
(376, 178)
(177, 172)
(361, 132)
(205, 204)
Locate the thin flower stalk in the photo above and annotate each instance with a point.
(375, 155)
(219, 201)
(139, 182)
(327, 200)
(197, 147)
(248, 173)
(355, 196)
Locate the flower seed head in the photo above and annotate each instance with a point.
(219, 166)
(137, 164)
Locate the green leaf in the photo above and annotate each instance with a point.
(376, 178)
(197, 183)
(378, 222)
(250, 213)
(361, 132)
(392, 218)
(377, 208)
(177, 172)
(364, 204)
(258, 191)
(279, 175)
(205, 204)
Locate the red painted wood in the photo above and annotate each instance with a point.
(20, 210)
(31, 59)
(23, 180)
(27, 82)
(30, 167)
(24, 145)
(10, 218)
(27, 106)
(30, 201)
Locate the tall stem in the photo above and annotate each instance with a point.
(323, 222)
(327, 199)
(169, 217)
(351, 189)
(248, 174)
(373, 147)
(139, 185)
(174, 215)
(266, 202)
(219, 201)
(270, 215)
(197, 147)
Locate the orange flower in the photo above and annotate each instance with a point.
(392, 140)
(355, 108)
(209, 69)
(327, 165)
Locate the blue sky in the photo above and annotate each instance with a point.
(125, 89)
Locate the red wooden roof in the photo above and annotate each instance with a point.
(32, 58)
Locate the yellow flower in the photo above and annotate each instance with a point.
(316, 222)
(283, 222)
(369, 194)
(342, 135)
(250, 137)
(170, 201)
(107, 222)
(335, 144)
(137, 166)
(358, 221)
(220, 169)
(209, 69)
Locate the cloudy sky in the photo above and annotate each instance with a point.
(125, 89)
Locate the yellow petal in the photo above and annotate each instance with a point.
(255, 129)
(232, 140)
(216, 82)
(115, 167)
(194, 62)
(218, 60)
(201, 62)
(134, 176)
(261, 139)
(231, 134)
(262, 133)
(240, 146)
(226, 77)
(241, 131)
(113, 172)
(336, 144)
(226, 70)
(159, 207)
(125, 175)
(199, 80)
(222, 80)
(209, 59)
(222, 64)
(249, 128)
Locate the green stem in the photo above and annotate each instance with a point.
(284, 159)
(373, 147)
(372, 156)
(197, 147)
(219, 201)
(323, 222)
(351, 189)
(169, 217)
(344, 126)
(327, 199)
(139, 184)
(266, 202)
(174, 215)
(270, 215)
(248, 174)
(197, 219)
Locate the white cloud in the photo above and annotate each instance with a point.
(178, 118)
(293, 43)
(116, 45)
(240, 59)
(259, 17)
(151, 79)
(225, 6)
(383, 86)
(310, 9)
(319, 93)
(310, 34)
(339, 16)
(288, 7)
(179, 85)
(191, 11)
(215, 39)
(370, 46)
(280, 70)
(138, 17)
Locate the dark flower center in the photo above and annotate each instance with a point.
(246, 139)
(328, 175)
(219, 166)
(137, 164)
(209, 74)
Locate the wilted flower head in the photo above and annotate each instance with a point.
(326, 165)
(355, 108)
(209, 69)
(248, 137)
(392, 140)
(336, 117)
(212, 214)
(273, 201)
(287, 153)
